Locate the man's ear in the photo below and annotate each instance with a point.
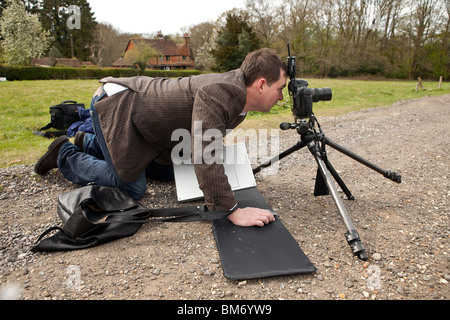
(260, 83)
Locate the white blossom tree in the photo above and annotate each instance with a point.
(23, 35)
(204, 59)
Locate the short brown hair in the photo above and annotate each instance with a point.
(262, 63)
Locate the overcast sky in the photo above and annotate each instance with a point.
(150, 16)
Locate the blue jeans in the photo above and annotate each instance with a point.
(94, 164)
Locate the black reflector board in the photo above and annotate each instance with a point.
(257, 252)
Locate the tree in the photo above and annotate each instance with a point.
(203, 39)
(263, 17)
(71, 41)
(141, 55)
(297, 27)
(422, 25)
(22, 33)
(234, 41)
(108, 44)
(203, 42)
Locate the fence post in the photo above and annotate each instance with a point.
(419, 84)
(440, 82)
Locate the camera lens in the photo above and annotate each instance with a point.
(323, 94)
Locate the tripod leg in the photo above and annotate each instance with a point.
(352, 235)
(282, 155)
(335, 175)
(387, 174)
(340, 182)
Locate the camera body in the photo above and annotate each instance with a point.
(303, 97)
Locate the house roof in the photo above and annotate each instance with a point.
(167, 47)
(43, 62)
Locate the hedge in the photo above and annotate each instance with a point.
(62, 73)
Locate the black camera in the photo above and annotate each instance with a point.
(303, 97)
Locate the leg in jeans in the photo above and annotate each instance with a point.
(91, 146)
(96, 166)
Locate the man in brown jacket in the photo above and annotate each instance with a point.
(134, 118)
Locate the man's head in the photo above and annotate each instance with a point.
(265, 78)
(263, 63)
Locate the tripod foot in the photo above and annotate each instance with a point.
(363, 255)
(355, 243)
(393, 176)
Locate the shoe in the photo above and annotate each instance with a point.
(79, 139)
(48, 160)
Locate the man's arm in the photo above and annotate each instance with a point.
(214, 106)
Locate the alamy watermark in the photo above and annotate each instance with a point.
(74, 279)
(374, 280)
(74, 20)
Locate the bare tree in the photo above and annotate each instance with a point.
(262, 14)
(390, 17)
(296, 26)
(421, 25)
(108, 45)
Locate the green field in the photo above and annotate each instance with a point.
(24, 107)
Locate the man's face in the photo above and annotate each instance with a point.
(273, 93)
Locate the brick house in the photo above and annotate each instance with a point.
(173, 56)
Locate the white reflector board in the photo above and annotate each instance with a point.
(237, 168)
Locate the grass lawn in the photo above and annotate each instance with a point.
(24, 107)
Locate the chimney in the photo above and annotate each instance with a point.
(186, 39)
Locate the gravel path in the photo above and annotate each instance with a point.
(404, 227)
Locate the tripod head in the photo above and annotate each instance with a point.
(301, 125)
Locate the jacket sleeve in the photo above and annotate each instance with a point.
(216, 107)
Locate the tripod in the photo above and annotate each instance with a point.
(316, 142)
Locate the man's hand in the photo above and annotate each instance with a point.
(248, 217)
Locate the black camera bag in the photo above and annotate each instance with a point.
(63, 115)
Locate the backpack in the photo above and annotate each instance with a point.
(63, 115)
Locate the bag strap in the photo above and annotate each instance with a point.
(186, 214)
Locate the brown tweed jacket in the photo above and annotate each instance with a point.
(138, 123)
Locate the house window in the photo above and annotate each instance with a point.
(184, 57)
(161, 58)
(167, 58)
